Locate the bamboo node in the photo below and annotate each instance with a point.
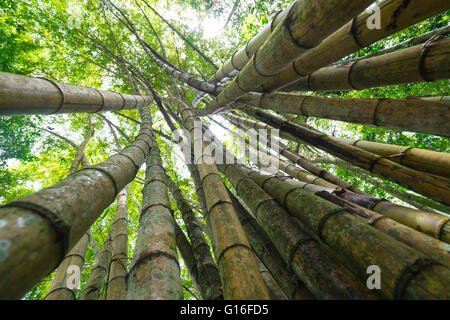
(231, 247)
(103, 101)
(408, 273)
(60, 88)
(352, 32)
(425, 50)
(62, 229)
(349, 74)
(294, 249)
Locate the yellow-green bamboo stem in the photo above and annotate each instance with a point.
(63, 286)
(234, 257)
(428, 62)
(437, 163)
(155, 272)
(294, 157)
(269, 255)
(324, 277)
(240, 58)
(307, 23)
(430, 186)
(116, 286)
(416, 115)
(406, 273)
(27, 95)
(395, 15)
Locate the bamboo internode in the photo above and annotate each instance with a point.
(325, 278)
(427, 62)
(26, 95)
(356, 35)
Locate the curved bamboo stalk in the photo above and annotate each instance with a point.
(296, 36)
(54, 219)
(416, 115)
(230, 243)
(155, 271)
(339, 230)
(27, 95)
(427, 62)
(425, 184)
(395, 15)
(285, 151)
(269, 255)
(208, 274)
(325, 278)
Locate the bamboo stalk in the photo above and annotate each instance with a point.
(27, 95)
(416, 201)
(427, 62)
(377, 218)
(116, 286)
(307, 23)
(285, 151)
(324, 277)
(55, 218)
(208, 275)
(240, 58)
(427, 185)
(185, 249)
(395, 15)
(60, 289)
(269, 255)
(155, 271)
(230, 243)
(437, 163)
(362, 245)
(416, 115)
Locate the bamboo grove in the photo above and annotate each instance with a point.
(241, 229)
